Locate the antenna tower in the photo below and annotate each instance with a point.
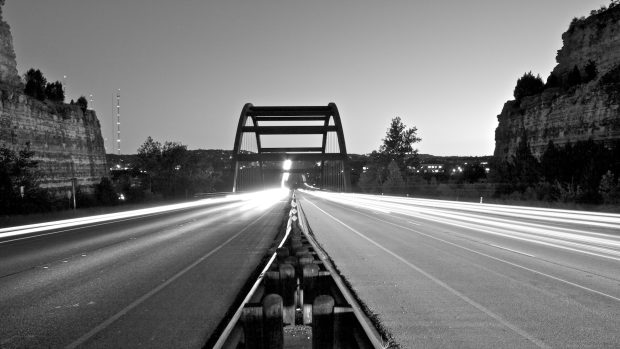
(118, 121)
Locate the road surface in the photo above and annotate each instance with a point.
(453, 275)
(164, 280)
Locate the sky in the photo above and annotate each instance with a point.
(185, 68)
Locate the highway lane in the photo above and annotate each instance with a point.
(164, 280)
(445, 274)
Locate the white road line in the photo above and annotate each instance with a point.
(463, 297)
(148, 295)
(511, 250)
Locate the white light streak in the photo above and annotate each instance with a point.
(260, 200)
(591, 233)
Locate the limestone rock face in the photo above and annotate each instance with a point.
(8, 63)
(595, 38)
(570, 114)
(66, 142)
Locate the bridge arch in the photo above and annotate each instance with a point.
(250, 157)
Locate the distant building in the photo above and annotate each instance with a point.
(430, 168)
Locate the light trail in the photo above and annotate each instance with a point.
(569, 230)
(100, 327)
(443, 284)
(247, 201)
(600, 219)
(482, 254)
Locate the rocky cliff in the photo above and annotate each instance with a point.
(8, 64)
(66, 141)
(570, 113)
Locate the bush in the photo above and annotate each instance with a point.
(105, 193)
(528, 85)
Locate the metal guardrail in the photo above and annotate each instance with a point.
(299, 301)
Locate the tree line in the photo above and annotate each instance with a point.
(170, 170)
(583, 172)
(37, 86)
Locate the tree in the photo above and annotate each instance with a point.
(19, 186)
(149, 160)
(175, 168)
(372, 173)
(35, 84)
(526, 169)
(473, 172)
(398, 144)
(82, 103)
(528, 85)
(149, 154)
(394, 182)
(55, 92)
(609, 188)
(574, 77)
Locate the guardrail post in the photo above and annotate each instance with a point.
(305, 258)
(288, 286)
(252, 318)
(282, 252)
(295, 245)
(292, 260)
(323, 322)
(301, 251)
(273, 332)
(344, 330)
(309, 273)
(272, 282)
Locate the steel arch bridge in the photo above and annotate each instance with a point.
(328, 160)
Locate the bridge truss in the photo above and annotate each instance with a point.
(322, 165)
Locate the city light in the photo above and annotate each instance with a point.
(286, 165)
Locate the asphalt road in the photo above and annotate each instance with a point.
(453, 275)
(164, 280)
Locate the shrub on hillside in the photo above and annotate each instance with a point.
(82, 103)
(528, 85)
